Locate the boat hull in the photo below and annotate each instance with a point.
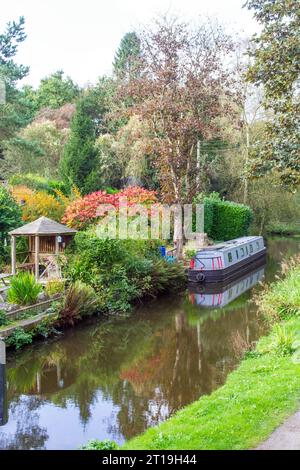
(230, 273)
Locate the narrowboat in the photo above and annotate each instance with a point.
(219, 295)
(227, 261)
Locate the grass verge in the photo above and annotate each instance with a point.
(256, 397)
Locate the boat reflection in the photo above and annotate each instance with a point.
(3, 394)
(218, 295)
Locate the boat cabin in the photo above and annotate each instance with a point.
(224, 259)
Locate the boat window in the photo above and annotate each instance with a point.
(251, 248)
(242, 251)
(230, 257)
(257, 244)
(237, 254)
(247, 250)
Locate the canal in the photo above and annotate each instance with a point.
(113, 378)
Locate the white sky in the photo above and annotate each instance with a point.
(81, 36)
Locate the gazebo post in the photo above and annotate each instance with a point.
(36, 257)
(13, 255)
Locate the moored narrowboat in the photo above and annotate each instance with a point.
(227, 261)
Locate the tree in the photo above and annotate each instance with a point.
(36, 149)
(55, 91)
(79, 161)
(10, 216)
(110, 168)
(17, 110)
(276, 66)
(9, 41)
(182, 90)
(127, 57)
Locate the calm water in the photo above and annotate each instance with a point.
(115, 378)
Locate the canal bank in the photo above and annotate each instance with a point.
(257, 397)
(115, 378)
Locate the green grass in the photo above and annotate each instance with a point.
(283, 228)
(282, 300)
(257, 396)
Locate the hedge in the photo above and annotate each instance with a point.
(38, 183)
(224, 220)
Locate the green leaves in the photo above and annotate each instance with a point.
(23, 289)
(224, 220)
(277, 67)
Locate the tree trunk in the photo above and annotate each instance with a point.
(178, 232)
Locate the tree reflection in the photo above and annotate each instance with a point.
(145, 366)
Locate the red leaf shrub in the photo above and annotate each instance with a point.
(83, 212)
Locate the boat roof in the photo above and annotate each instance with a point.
(230, 244)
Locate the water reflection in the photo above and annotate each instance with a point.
(115, 378)
(3, 400)
(218, 295)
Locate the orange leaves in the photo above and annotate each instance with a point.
(83, 211)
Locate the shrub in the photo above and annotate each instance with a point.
(38, 183)
(42, 204)
(224, 220)
(282, 341)
(54, 286)
(21, 193)
(281, 301)
(167, 276)
(19, 338)
(3, 318)
(230, 220)
(94, 444)
(46, 327)
(121, 271)
(83, 212)
(24, 289)
(80, 300)
(10, 218)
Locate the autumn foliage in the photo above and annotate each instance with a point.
(42, 204)
(83, 211)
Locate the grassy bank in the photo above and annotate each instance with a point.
(257, 397)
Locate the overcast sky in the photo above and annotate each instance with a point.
(81, 36)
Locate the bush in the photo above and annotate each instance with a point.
(94, 444)
(42, 204)
(19, 338)
(24, 289)
(38, 183)
(54, 286)
(167, 277)
(121, 271)
(80, 300)
(224, 220)
(83, 212)
(3, 318)
(10, 218)
(281, 301)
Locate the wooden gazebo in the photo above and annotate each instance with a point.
(47, 240)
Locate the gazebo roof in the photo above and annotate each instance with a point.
(43, 226)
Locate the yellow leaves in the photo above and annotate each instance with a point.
(40, 204)
(21, 193)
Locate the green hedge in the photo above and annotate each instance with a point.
(38, 183)
(224, 220)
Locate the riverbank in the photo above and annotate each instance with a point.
(256, 397)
